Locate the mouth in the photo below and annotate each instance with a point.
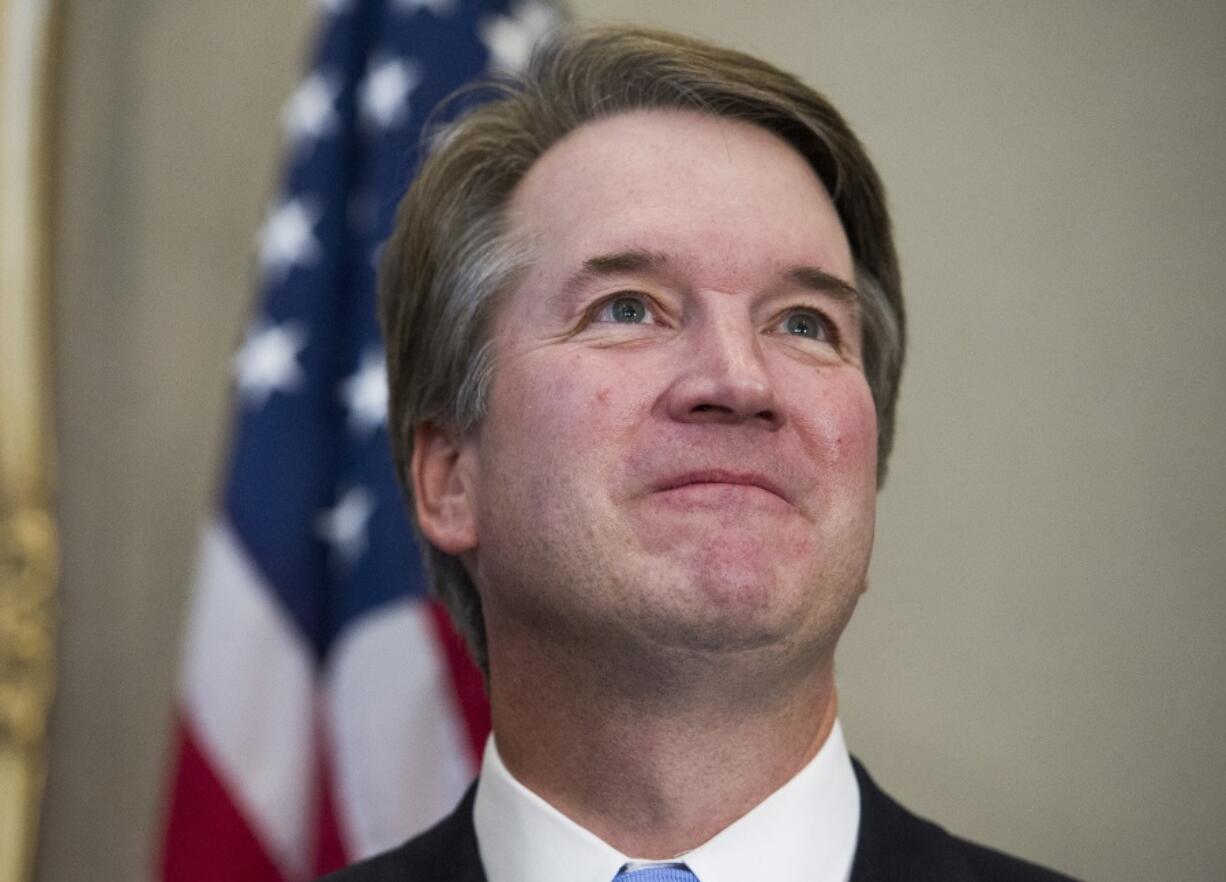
(720, 480)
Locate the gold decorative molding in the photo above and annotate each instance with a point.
(28, 544)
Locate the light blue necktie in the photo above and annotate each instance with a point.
(660, 873)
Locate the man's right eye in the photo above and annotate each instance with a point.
(625, 309)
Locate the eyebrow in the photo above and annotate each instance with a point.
(630, 261)
(633, 260)
(816, 279)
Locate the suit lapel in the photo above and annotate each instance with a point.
(464, 843)
(894, 845)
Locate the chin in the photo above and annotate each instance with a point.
(740, 610)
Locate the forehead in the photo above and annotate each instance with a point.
(716, 191)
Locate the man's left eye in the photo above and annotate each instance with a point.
(806, 323)
(625, 309)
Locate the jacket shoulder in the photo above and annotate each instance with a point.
(895, 844)
(989, 864)
(447, 852)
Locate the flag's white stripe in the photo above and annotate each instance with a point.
(399, 744)
(249, 696)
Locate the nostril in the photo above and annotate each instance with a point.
(724, 413)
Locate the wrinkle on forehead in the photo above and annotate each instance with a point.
(657, 139)
(672, 193)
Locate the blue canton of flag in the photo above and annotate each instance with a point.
(328, 712)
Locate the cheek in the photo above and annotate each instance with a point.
(842, 429)
(531, 390)
(582, 395)
(558, 416)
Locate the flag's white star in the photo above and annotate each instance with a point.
(438, 7)
(385, 91)
(364, 393)
(287, 238)
(310, 113)
(334, 7)
(509, 39)
(268, 362)
(344, 526)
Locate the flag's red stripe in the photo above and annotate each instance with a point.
(330, 851)
(466, 679)
(207, 838)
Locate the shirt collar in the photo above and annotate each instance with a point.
(806, 830)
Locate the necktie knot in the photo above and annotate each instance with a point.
(657, 873)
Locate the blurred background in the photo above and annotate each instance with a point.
(1039, 661)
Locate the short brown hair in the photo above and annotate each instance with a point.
(450, 257)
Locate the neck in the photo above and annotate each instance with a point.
(659, 768)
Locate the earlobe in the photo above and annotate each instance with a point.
(442, 493)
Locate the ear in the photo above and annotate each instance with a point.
(443, 489)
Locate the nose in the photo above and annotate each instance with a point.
(723, 377)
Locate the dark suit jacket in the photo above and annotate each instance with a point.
(894, 846)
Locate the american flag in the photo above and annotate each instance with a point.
(327, 709)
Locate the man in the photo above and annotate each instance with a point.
(645, 330)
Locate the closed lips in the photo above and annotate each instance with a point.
(748, 479)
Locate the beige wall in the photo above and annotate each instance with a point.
(1038, 662)
(169, 144)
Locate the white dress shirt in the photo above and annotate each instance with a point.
(803, 832)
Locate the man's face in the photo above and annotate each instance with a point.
(680, 446)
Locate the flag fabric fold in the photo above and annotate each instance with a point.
(327, 710)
